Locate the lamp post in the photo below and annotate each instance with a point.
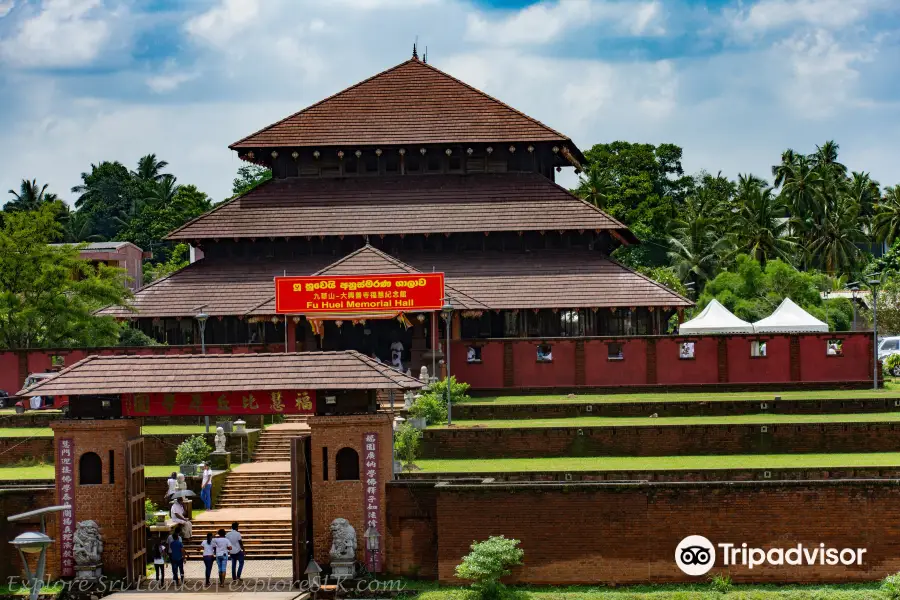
(35, 542)
(874, 283)
(825, 295)
(447, 310)
(854, 292)
(201, 320)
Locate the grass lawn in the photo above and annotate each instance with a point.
(660, 463)
(760, 419)
(47, 472)
(674, 592)
(25, 432)
(891, 390)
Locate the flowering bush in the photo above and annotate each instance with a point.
(488, 562)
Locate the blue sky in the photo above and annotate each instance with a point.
(733, 82)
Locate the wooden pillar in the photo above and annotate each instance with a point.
(309, 338)
(291, 334)
(418, 347)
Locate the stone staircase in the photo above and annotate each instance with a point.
(274, 445)
(243, 490)
(262, 539)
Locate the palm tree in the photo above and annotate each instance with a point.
(150, 169)
(781, 172)
(761, 228)
(801, 189)
(595, 186)
(833, 240)
(30, 196)
(886, 222)
(78, 227)
(697, 243)
(826, 157)
(865, 191)
(163, 192)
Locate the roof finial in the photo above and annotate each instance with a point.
(415, 54)
(425, 56)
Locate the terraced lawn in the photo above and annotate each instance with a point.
(760, 419)
(25, 432)
(47, 472)
(660, 463)
(891, 390)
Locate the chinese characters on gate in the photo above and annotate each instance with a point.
(372, 501)
(65, 488)
(269, 402)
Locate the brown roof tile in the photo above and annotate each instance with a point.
(410, 103)
(224, 372)
(400, 205)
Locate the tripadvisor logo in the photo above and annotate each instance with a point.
(695, 555)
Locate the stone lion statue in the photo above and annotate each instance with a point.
(88, 543)
(220, 439)
(343, 540)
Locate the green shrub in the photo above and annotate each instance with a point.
(430, 406)
(407, 440)
(487, 563)
(890, 585)
(192, 451)
(891, 364)
(457, 390)
(150, 508)
(720, 583)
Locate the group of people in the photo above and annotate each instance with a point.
(216, 550)
(177, 513)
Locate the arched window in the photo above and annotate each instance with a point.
(90, 469)
(347, 463)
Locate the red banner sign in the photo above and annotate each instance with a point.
(65, 489)
(372, 503)
(294, 402)
(359, 294)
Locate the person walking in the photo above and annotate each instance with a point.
(206, 487)
(172, 483)
(158, 553)
(209, 554)
(237, 552)
(222, 547)
(176, 555)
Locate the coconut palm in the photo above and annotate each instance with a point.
(163, 192)
(762, 227)
(595, 186)
(30, 196)
(886, 222)
(833, 239)
(150, 169)
(801, 190)
(866, 192)
(781, 172)
(697, 244)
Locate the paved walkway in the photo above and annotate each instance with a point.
(280, 466)
(197, 589)
(245, 515)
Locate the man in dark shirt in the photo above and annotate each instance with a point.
(176, 557)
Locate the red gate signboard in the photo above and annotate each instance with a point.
(372, 502)
(268, 402)
(65, 488)
(359, 293)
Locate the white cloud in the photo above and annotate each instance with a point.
(547, 22)
(768, 15)
(170, 80)
(221, 24)
(6, 7)
(65, 33)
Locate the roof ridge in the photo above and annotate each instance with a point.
(369, 248)
(84, 360)
(323, 100)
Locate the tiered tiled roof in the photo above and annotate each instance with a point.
(400, 205)
(223, 373)
(488, 280)
(412, 103)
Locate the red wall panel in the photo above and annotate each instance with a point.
(816, 365)
(775, 367)
(600, 371)
(486, 374)
(530, 373)
(672, 370)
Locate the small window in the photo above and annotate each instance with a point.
(544, 353)
(614, 351)
(473, 354)
(835, 348)
(324, 463)
(90, 469)
(57, 361)
(757, 349)
(112, 466)
(347, 465)
(686, 350)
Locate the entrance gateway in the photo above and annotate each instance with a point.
(339, 462)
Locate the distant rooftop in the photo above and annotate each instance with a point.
(100, 246)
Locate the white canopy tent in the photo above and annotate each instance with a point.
(790, 318)
(715, 318)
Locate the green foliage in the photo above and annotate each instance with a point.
(179, 258)
(407, 441)
(129, 336)
(458, 391)
(891, 365)
(430, 406)
(890, 586)
(666, 276)
(47, 293)
(488, 562)
(248, 177)
(150, 508)
(192, 451)
(721, 583)
(888, 307)
(753, 292)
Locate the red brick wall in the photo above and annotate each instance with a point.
(332, 499)
(659, 441)
(412, 548)
(16, 501)
(600, 371)
(627, 533)
(104, 503)
(12, 450)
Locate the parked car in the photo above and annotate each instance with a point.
(27, 402)
(888, 346)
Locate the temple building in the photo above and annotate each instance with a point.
(410, 170)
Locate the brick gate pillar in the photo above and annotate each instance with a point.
(340, 492)
(91, 471)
